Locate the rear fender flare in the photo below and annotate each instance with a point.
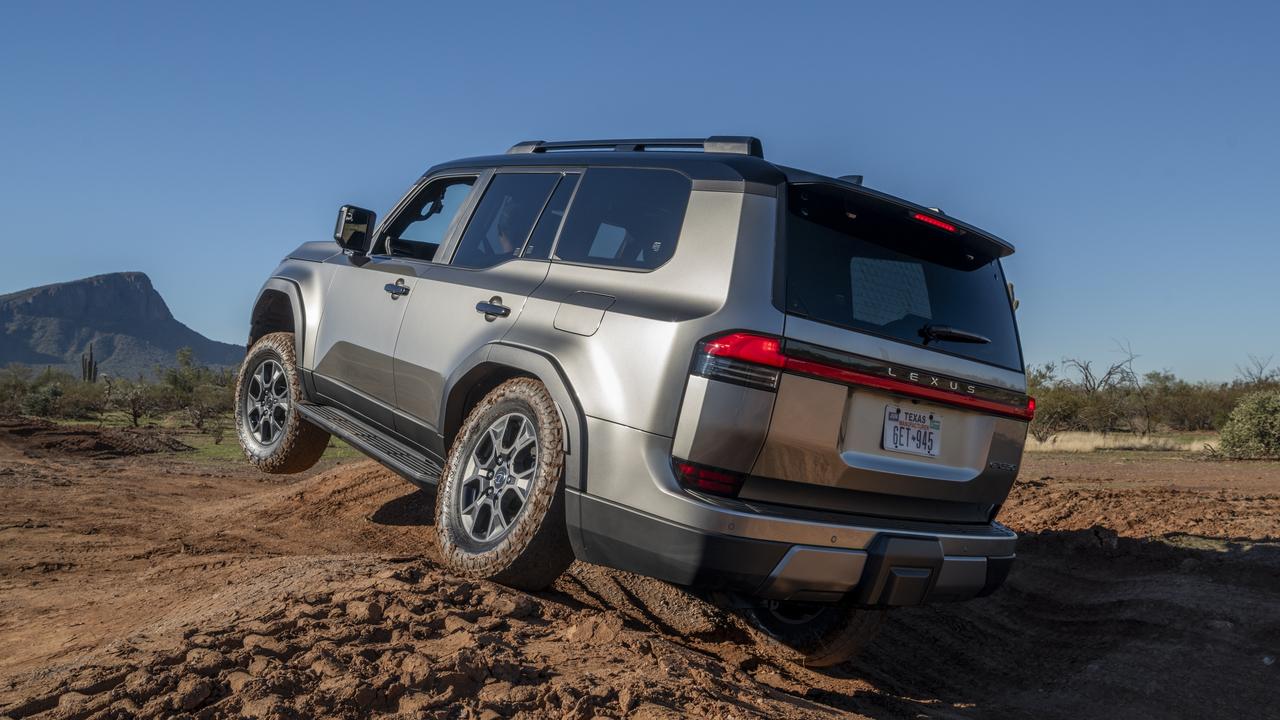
(498, 357)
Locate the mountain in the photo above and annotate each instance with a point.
(121, 314)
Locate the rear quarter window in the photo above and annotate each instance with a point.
(625, 218)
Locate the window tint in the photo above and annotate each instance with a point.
(864, 264)
(503, 218)
(418, 231)
(625, 218)
(539, 245)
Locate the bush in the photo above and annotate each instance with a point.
(1253, 430)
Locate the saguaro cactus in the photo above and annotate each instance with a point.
(88, 366)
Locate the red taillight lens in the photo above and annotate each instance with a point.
(931, 220)
(1031, 407)
(709, 479)
(741, 358)
(748, 348)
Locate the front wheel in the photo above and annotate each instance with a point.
(500, 505)
(813, 635)
(274, 436)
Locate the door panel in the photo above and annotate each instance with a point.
(357, 335)
(442, 327)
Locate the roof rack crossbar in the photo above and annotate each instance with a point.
(735, 145)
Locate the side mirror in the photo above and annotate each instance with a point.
(355, 225)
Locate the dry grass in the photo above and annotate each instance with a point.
(1091, 441)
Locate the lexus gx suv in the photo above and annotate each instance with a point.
(785, 391)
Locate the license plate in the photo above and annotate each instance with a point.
(912, 431)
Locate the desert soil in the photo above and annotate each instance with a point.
(137, 581)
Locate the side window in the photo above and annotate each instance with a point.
(544, 234)
(627, 218)
(504, 218)
(420, 228)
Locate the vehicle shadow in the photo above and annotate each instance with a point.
(1089, 624)
(416, 508)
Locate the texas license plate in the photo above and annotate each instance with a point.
(912, 431)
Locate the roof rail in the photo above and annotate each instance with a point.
(732, 144)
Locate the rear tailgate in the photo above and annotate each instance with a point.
(903, 394)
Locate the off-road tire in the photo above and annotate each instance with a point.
(535, 550)
(835, 635)
(299, 444)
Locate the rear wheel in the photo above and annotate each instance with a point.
(274, 436)
(500, 506)
(813, 635)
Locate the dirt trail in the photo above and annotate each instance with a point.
(157, 586)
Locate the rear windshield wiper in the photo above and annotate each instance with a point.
(945, 332)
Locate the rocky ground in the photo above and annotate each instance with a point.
(136, 581)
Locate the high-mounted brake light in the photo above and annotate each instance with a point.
(931, 220)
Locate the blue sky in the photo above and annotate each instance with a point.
(1130, 150)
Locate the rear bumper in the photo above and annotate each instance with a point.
(634, 516)
(893, 569)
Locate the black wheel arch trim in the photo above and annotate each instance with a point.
(543, 366)
(293, 293)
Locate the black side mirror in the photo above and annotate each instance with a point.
(355, 224)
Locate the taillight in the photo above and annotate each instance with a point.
(758, 361)
(708, 479)
(741, 358)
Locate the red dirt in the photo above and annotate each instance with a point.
(158, 586)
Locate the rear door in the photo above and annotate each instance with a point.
(472, 297)
(910, 396)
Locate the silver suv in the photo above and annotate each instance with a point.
(792, 393)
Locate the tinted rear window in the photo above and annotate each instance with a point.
(625, 217)
(864, 264)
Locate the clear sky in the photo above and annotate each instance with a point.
(1130, 150)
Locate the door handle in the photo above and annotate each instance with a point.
(396, 289)
(493, 308)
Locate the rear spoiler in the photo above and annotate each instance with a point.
(981, 240)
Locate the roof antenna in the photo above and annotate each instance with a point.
(852, 179)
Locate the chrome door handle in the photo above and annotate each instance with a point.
(493, 309)
(396, 289)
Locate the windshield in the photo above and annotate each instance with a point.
(865, 264)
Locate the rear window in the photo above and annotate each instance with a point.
(622, 217)
(865, 264)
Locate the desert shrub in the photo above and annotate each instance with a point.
(42, 400)
(1253, 430)
(81, 400)
(14, 383)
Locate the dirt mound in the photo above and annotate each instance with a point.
(402, 640)
(162, 587)
(41, 438)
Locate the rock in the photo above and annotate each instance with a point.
(207, 662)
(512, 606)
(364, 612)
(237, 680)
(259, 666)
(263, 645)
(192, 691)
(453, 623)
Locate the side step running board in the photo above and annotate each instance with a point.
(414, 466)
